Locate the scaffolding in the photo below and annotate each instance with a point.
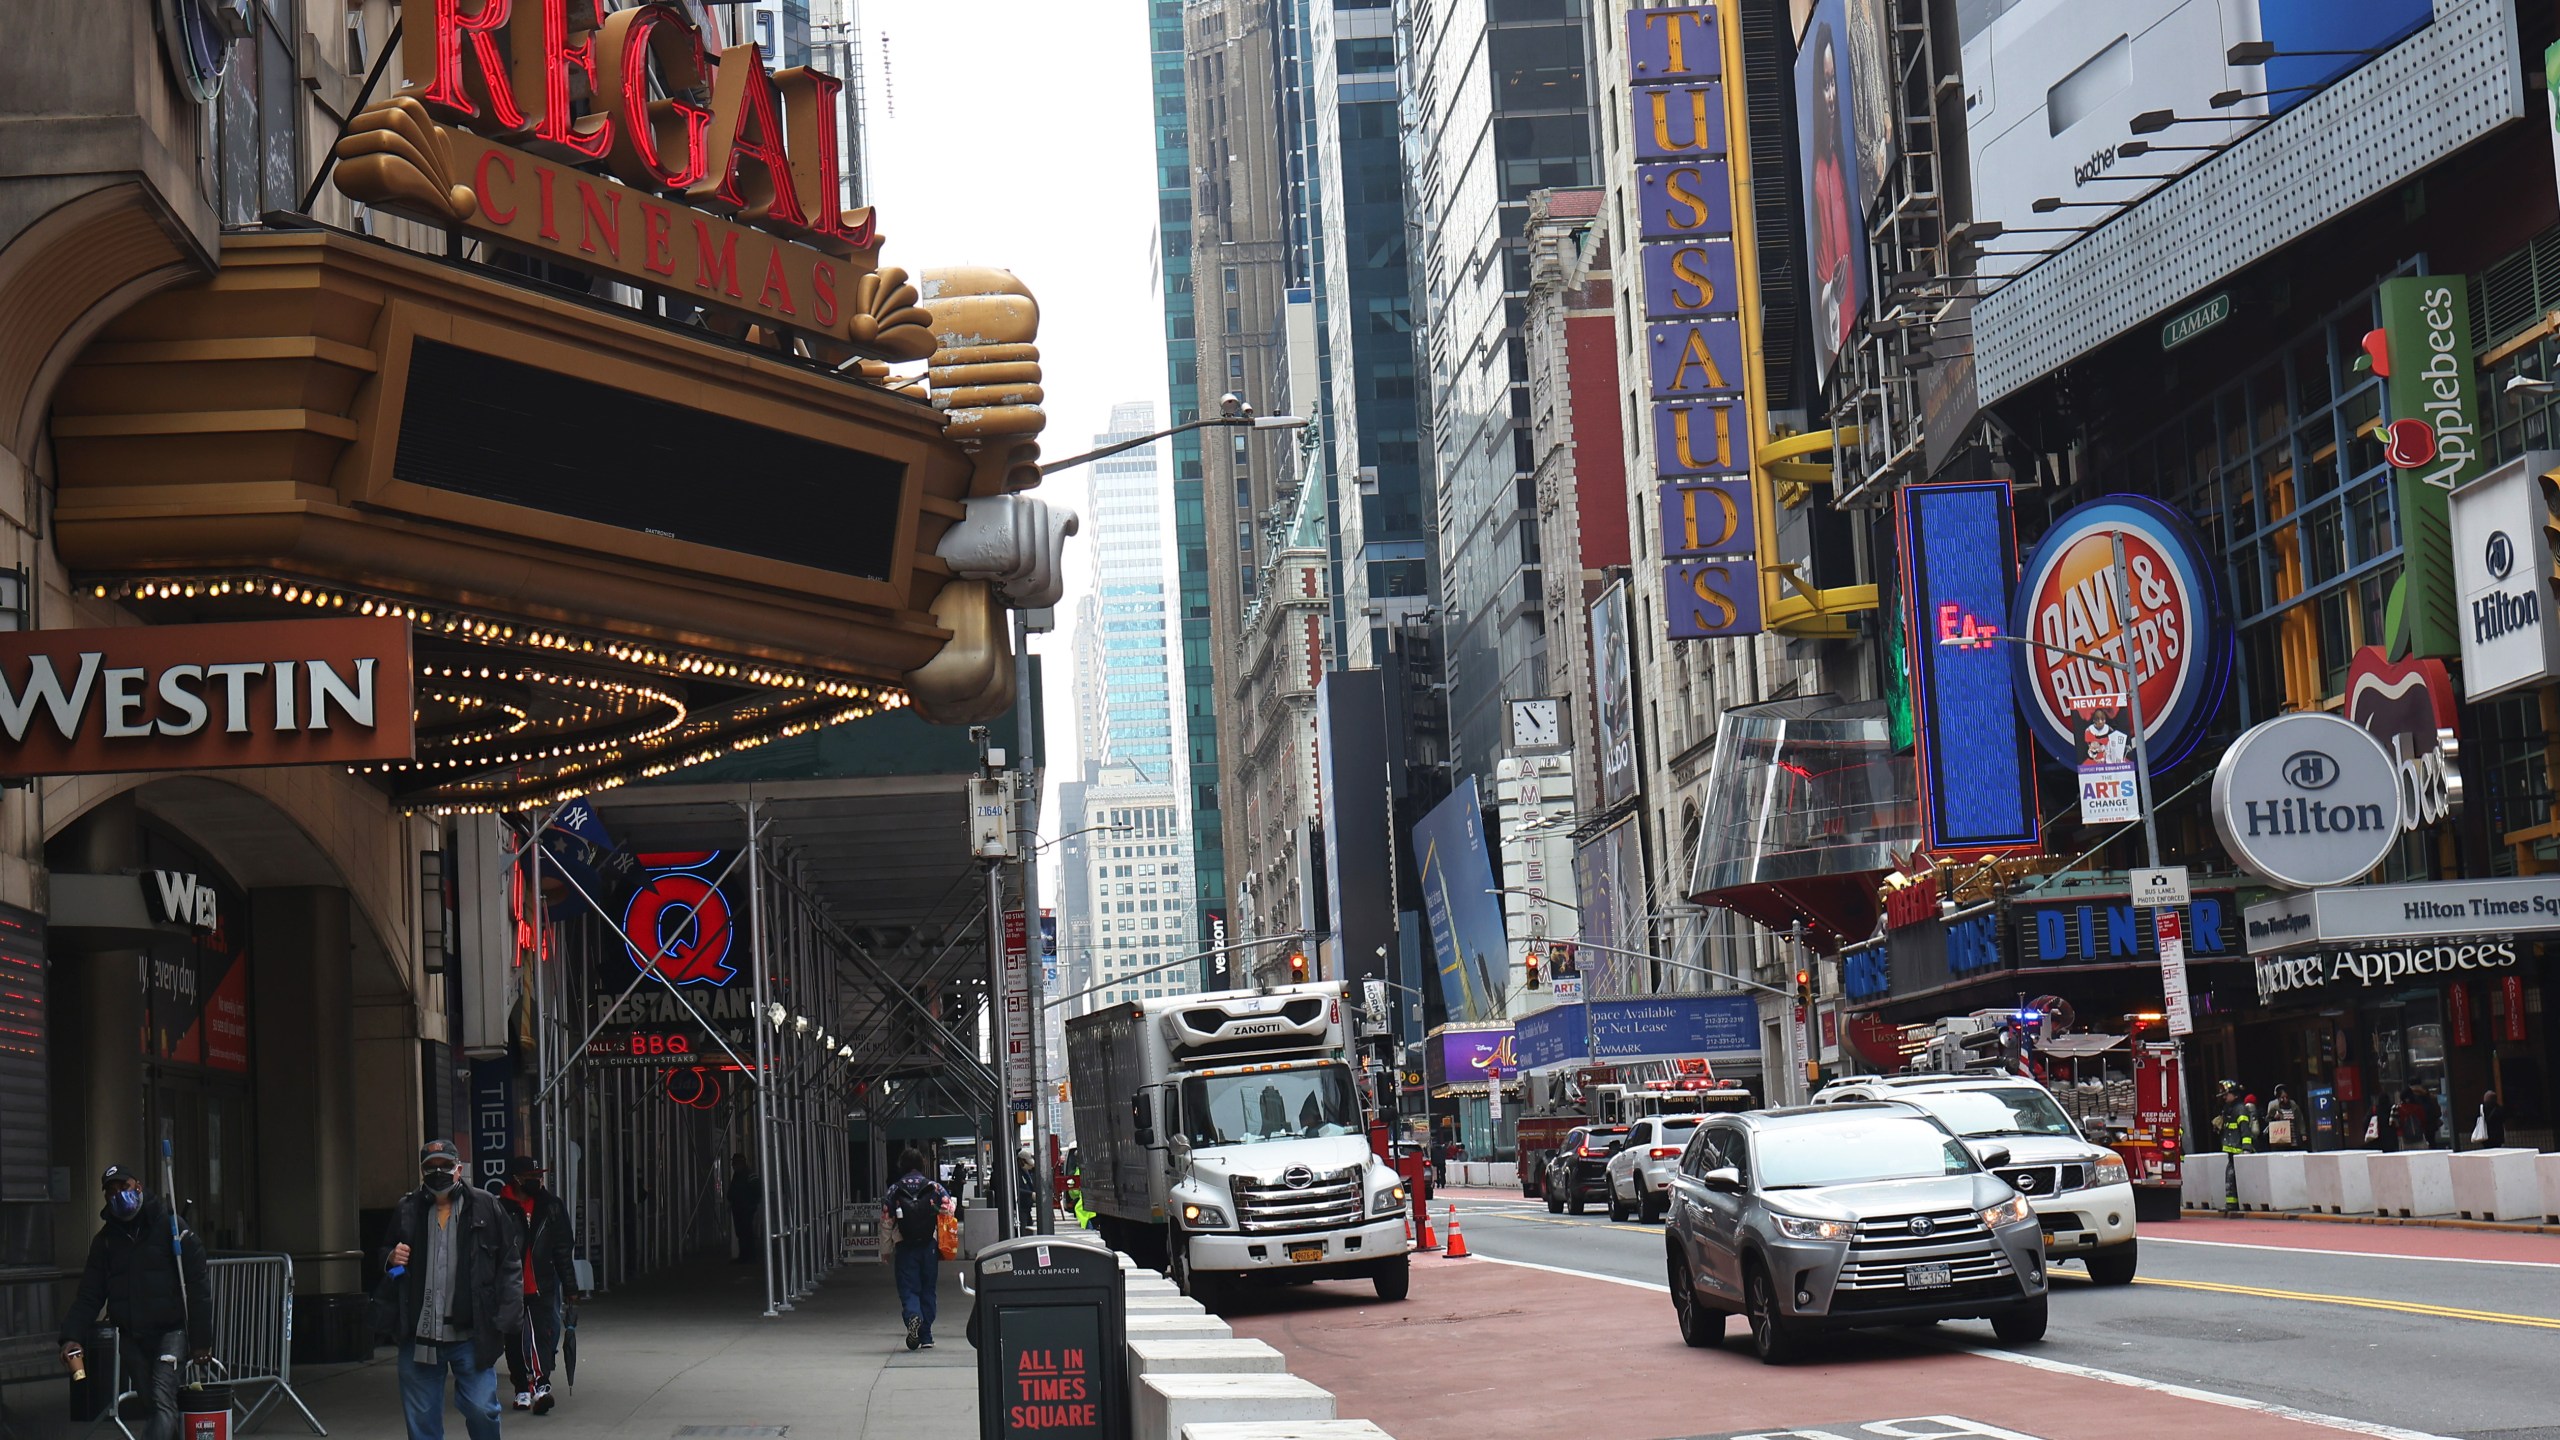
(814, 1045)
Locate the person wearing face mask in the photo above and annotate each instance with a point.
(550, 1272)
(147, 1269)
(452, 1291)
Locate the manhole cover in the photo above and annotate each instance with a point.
(732, 1432)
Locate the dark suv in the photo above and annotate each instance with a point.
(1578, 1173)
(1845, 1215)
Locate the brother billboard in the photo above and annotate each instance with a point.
(2052, 87)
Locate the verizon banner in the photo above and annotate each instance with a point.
(204, 697)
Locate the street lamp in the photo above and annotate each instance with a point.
(1234, 415)
(2132, 690)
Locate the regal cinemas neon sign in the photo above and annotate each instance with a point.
(619, 142)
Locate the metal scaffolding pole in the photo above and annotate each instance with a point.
(773, 1303)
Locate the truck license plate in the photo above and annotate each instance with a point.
(1926, 1277)
(1301, 1254)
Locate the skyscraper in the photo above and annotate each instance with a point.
(1191, 534)
(1381, 503)
(1131, 898)
(1500, 106)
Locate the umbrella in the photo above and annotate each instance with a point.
(569, 1343)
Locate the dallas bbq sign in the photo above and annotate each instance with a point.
(720, 180)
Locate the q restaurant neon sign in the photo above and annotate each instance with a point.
(2177, 634)
(678, 925)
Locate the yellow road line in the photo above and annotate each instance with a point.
(2404, 1307)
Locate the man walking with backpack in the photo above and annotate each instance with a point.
(149, 1272)
(917, 1202)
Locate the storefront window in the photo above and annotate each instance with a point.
(2280, 472)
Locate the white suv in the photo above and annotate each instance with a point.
(2079, 1191)
(1640, 1171)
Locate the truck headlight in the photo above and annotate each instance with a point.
(1204, 1217)
(1796, 1227)
(2109, 1171)
(1387, 1201)
(2007, 1212)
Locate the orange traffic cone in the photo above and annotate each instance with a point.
(1457, 1238)
(1430, 1237)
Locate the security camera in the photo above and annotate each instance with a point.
(1232, 406)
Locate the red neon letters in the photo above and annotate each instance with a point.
(764, 150)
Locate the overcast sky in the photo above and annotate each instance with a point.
(1019, 133)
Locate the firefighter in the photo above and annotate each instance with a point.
(2237, 1123)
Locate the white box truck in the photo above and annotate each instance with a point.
(1223, 1138)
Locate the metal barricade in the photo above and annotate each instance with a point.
(253, 1333)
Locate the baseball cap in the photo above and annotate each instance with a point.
(525, 1165)
(115, 1177)
(444, 1150)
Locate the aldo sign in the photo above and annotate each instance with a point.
(2308, 800)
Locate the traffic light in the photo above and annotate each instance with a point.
(1297, 966)
(1534, 962)
(1804, 988)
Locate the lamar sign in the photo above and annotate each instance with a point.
(513, 105)
(204, 697)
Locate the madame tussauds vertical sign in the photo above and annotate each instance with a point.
(205, 697)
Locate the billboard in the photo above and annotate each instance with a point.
(1976, 763)
(2052, 87)
(1836, 184)
(1469, 947)
(1613, 696)
(1608, 880)
(1557, 1035)
(1468, 1056)
(1671, 1027)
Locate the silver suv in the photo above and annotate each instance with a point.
(2080, 1191)
(1845, 1215)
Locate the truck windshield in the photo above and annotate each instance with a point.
(2005, 1110)
(1303, 1104)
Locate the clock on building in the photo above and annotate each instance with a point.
(1537, 724)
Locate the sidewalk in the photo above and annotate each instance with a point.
(693, 1354)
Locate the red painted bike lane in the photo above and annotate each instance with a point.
(1484, 1348)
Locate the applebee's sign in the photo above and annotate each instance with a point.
(202, 697)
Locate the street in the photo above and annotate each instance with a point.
(2242, 1328)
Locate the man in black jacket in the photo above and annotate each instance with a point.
(148, 1270)
(550, 1272)
(452, 1292)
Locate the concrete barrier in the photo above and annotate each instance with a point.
(977, 1230)
(1286, 1431)
(2496, 1185)
(2547, 1167)
(1174, 1325)
(1147, 1282)
(2201, 1179)
(1167, 1404)
(1167, 1303)
(1505, 1175)
(1204, 1357)
(2339, 1182)
(2273, 1180)
(2410, 1183)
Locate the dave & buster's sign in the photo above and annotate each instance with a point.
(204, 697)
(2176, 635)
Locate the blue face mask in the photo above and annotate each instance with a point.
(125, 1204)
